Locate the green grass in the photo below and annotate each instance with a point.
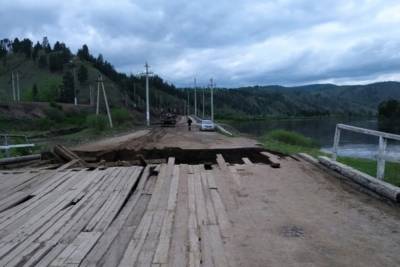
(392, 170)
(289, 143)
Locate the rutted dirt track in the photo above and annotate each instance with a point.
(224, 214)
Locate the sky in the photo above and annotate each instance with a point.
(237, 43)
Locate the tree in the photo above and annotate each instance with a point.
(83, 53)
(389, 109)
(36, 50)
(68, 88)
(46, 45)
(16, 45)
(57, 46)
(43, 61)
(56, 62)
(35, 92)
(82, 74)
(26, 47)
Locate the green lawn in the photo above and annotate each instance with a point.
(392, 170)
(290, 143)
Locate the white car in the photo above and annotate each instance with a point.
(207, 125)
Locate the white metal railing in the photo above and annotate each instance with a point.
(383, 137)
(7, 146)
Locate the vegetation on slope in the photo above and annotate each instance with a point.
(290, 143)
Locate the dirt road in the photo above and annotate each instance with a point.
(162, 137)
(295, 215)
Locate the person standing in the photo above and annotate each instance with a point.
(189, 122)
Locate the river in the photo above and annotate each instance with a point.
(322, 130)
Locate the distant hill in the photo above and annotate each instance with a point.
(47, 73)
(309, 100)
(43, 70)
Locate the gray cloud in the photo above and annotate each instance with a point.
(236, 42)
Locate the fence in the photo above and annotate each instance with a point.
(7, 145)
(383, 137)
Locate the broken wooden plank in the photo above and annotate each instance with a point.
(272, 158)
(247, 161)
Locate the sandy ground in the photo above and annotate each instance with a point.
(298, 215)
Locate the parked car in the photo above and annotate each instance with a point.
(207, 125)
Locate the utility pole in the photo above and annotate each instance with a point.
(13, 86)
(18, 89)
(195, 98)
(100, 82)
(188, 102)
(91, 100)
(134, 94)
(75, 98)
(212, 99)
(203, 101)
(147, 95)
(98, 96)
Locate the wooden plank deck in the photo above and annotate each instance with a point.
(119, 216)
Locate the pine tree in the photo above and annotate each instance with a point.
(82, 74)
(35, 92)
(43, 61)
(68, 88)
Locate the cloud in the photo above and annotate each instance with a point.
(236, 42)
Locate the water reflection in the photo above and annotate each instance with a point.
(322, 130)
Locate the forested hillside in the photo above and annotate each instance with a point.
(53, 73)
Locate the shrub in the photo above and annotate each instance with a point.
(120, 115)
(43, 124)
(97, 122)
(291, 138)
(55, 114)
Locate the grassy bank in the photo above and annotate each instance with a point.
(392, 170)
(67, 128)
(291, 143)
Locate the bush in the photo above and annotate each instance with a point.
(43, 124)
(97, 122)
(55, 114)
(291, 138)
(120, 115)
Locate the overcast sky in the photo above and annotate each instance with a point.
(247, 42)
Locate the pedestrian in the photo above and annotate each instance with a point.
(189, 122)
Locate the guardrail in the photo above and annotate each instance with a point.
(7, 146)
(383, 137)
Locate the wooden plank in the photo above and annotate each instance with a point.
(211, 217)
(217, 247)
(36, 221)
(247, 161)
(134, 247)
(210, 180)
(147, 253)
(272, 158)
(131, 178)
(221, 162)
(162, 251)
(235, 176)
(220, 211)
(107, 239)
(79, 247)
(150, 219)
(194, 246)
(15, 249)
(117, 249)
(179, 243)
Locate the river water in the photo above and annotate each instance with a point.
(322, 130)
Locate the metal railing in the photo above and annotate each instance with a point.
(7, 145)
(383, 137)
